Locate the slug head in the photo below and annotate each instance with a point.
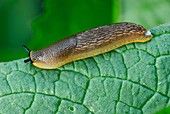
(43, 59)
(29, 51)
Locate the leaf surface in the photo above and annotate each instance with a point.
(132, 79)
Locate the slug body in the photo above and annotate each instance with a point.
(89, 43)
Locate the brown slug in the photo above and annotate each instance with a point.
(87, 44)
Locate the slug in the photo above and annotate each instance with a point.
(87, 44)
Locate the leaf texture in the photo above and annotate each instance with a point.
(132, 79)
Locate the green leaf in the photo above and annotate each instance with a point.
(132, 79)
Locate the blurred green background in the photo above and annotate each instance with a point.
(39, 23)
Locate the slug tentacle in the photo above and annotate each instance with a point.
(29, 51)
(27, 60)
(87, 44)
